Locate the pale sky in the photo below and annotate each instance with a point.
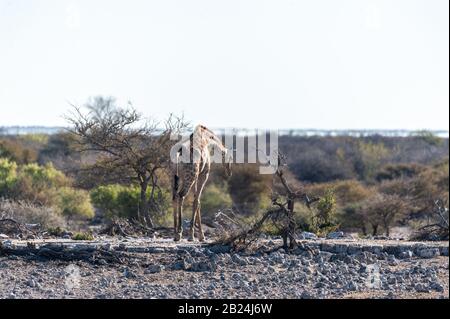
(235, 63)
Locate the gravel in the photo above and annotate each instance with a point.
(181, 271)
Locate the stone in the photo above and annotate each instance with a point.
(406, 254)
(155, 250)
(428, 252)
(239, 260)
(153, 269)
(341, 249)
(336, 235)
(307, 235)
(421, 288)
(353, 250)
(31, 283)
(200, 266)
(128, 273)
(437, 287)
(220, 249)
(352, 286)
(6, 244)
(374, 249)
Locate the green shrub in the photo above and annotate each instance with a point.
(8, 176)
(55, 231)
(82, 236)
(116, 200)
(74, 202)
(214, 199)
(123, 201)
(248, 188)
(45, 186)
(324, 221)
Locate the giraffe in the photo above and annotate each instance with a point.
(193, 172)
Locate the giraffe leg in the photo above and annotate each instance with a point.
(179, 231)
(175, 217)
(194, 214)
(201, 182)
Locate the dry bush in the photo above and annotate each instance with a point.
(437, 227)
(26, 213)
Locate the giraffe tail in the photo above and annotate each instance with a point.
(176, 180)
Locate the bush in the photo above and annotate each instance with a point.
(74, 202)
(324, 221)
(28, 213)
(8, 176)
(44, 186)
(123, 201)
(15, 150)
(345, 192)
(214, 199)
(248, 188)
(383, 210)
(394, 171)
(82, 236)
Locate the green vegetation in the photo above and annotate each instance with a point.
(366, 184)
(83, 236)
(43, 185)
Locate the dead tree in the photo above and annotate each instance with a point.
(288, 233)
(439, 227)
(281, 215)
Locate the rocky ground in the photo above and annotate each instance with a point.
(138, 268)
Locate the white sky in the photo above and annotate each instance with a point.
(235, 63)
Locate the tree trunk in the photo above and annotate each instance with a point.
(291, 224)
(387, 228)
(374, 230)
(364, 230)
(144, 212)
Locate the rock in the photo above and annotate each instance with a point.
(406, 254)
(276, 258)
(421, 288)
(3, 236)
(353, 250)
(153, 269)
(200, 266)
(6, 244)
(352, 286)
(437, 287)
(392, 280)
(335, 235)
(31, 283)
(155, 250)
(306, 295)
(374, 249)
(326, 256)
(220, 249)
(307, 235)
(381, 237)
(428, 252)
(392, 260)
(239, 260)
(128, 273)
